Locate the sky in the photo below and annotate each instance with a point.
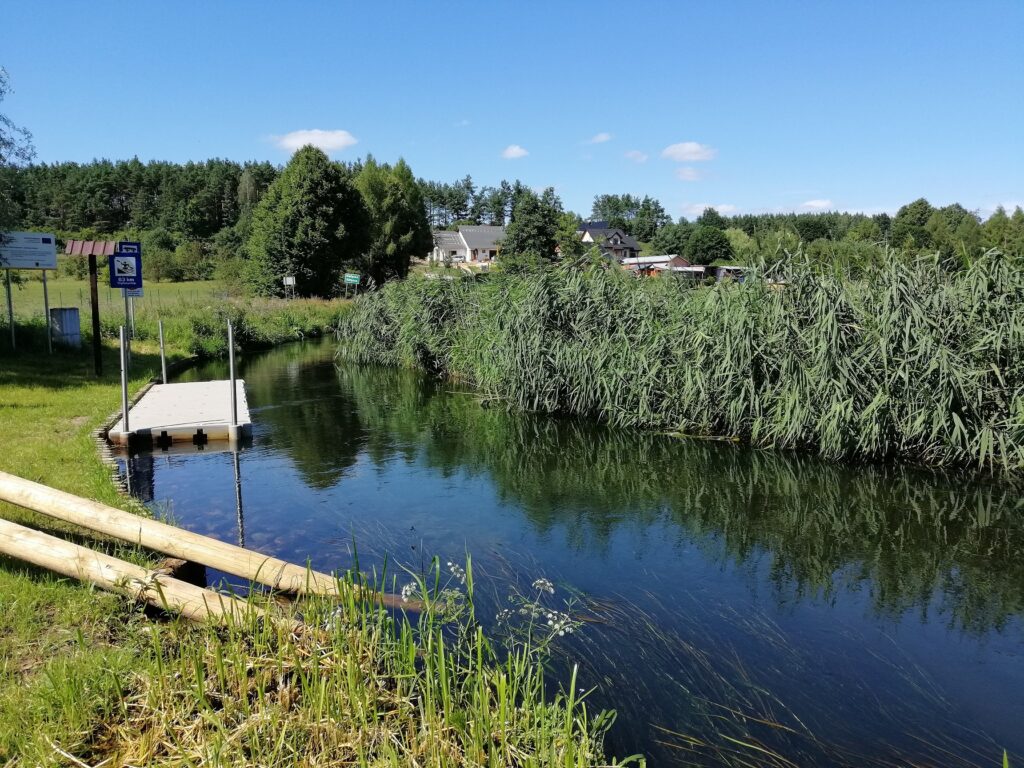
(746, 106)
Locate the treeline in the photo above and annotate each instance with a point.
(249, 223)
(196, 221)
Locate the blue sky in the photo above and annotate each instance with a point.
(749, 106)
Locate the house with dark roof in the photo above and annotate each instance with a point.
(448, 247)
(470, 244)
(482, 241)
(613, 242)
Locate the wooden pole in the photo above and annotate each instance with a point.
(10, 307)
(173, 541)
(155, 588)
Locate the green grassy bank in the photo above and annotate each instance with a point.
(87, 677)
(919, 361)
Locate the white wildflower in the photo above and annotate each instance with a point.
(543, 585)
(457, 572)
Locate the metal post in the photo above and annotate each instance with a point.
(127, 325)
(46, 310)
(163, 358)
(10, 307)
(231, 371)
(131, 313)
(94, 298)
(239, 514)
(124, 380)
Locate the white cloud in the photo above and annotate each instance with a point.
(688, 173)
(689, 152)
(637, 156)
(696, 209)
(817, 205)
(328, 141)
(513, 152)
(599, 138)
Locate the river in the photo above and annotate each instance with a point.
(862, 615)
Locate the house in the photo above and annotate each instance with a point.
(448, 247)
(613, 242)
(482, 241)
(473, 244)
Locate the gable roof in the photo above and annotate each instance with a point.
(603, 234)
(482, 238)
(448, 241)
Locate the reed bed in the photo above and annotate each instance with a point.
(916, 360)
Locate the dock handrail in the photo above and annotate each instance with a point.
(177, 542)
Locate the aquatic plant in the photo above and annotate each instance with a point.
(913, 360)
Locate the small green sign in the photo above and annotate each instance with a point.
(351, 278)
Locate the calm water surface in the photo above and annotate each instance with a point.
(838, 615)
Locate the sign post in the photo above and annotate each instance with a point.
(126, 274)
(351, 278)
(27, 250)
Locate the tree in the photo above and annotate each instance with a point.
(909, 226)
(399, 227)
(650, 217)
(309, 224)
(811, 227)
(672, 238)
(570, 244)
(708, 244)
(712, 218)
(533, 230)
(996, 230)
(15, 149)
(1015, 242)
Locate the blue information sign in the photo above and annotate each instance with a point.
(126, 266)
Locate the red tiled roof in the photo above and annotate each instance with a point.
(90, 247)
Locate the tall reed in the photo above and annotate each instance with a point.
(914, 360)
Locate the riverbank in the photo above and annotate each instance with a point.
(90, 675)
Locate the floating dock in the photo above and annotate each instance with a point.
(192, 412)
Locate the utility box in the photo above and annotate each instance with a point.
(66, 327)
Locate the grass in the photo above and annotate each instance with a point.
(914, 361)
(88, 677)
(68, 292)
(194, 316)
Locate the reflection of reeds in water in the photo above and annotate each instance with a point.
(715, 686)
(910, 534)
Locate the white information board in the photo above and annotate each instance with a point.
(28, 250)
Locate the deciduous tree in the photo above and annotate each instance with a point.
(309, 224)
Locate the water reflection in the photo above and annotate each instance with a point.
(825, 610)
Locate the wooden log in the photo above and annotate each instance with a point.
(109, 573)
(177, 542)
